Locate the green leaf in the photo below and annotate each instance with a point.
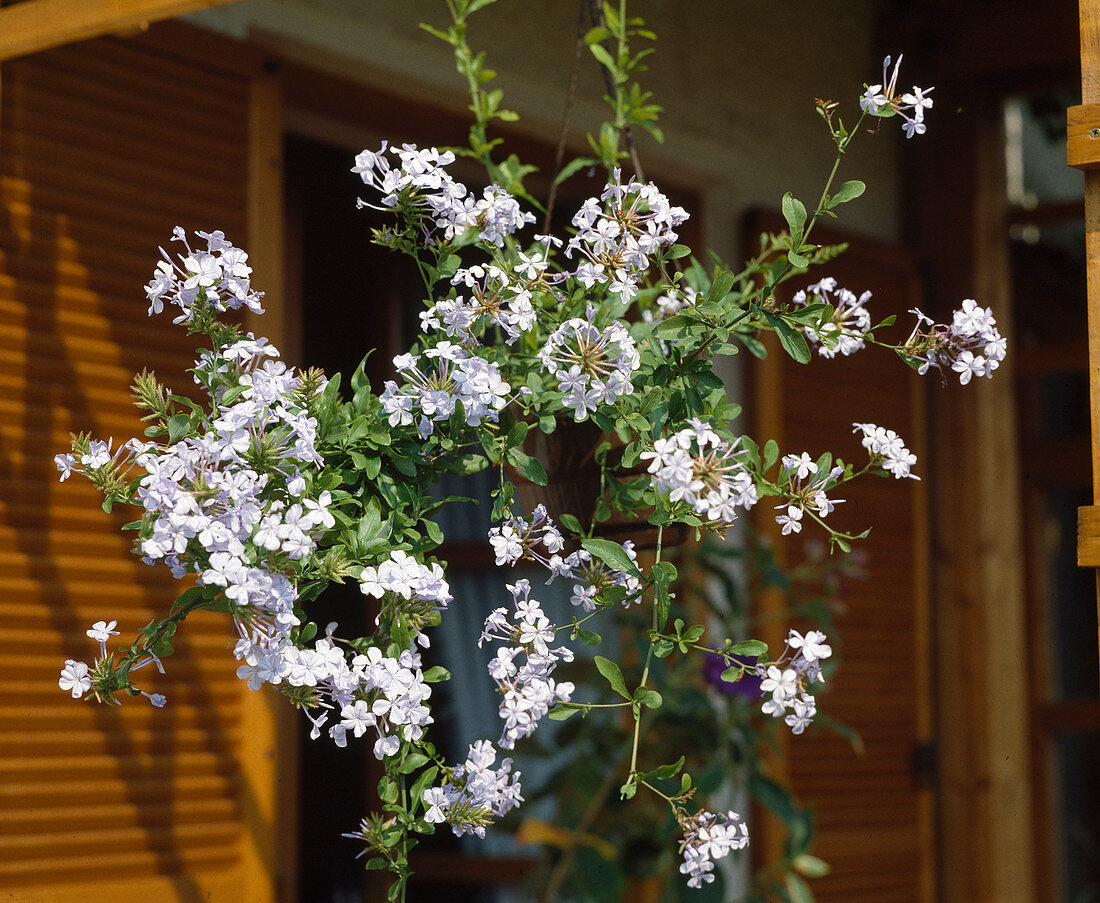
(411, 762)
(723, 282)
(665, 771)
(750, 649)
(517, 433)
(612, 554)
(663, 572)
(673, 327)
(589, 638)
(797, 260)
(604, 57)
(563, 711)
(531, 468)
(771, 454)
(422, 783)
(596, 35)
(810, 866)
(798, 890)
(178, 427)
(571, 523)
(677, 251)
(773, 795)
(612, 674)
(849, 191)
(794, 212)
(793, 342)
(574, 166)
(435, 674)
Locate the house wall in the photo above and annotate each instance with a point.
(737, 81)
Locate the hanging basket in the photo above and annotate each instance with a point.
(573, 484)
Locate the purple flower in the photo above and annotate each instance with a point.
(748, 686)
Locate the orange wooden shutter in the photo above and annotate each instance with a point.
(873, 812)
(105, 147)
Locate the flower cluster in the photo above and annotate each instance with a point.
(593, 366)
(619, 233)
(970, 346)
(697, 466)
(451, 378)
(231, 505)
(707, 837)
(787, 678)
(849, 321)
(219, 276)
(473, 790)
(77, 678)
(887, 449)
(495, 298)
(805, 488)
(518, 537)
(592, 577)
(529, 692)
(883, 100)
(421, 181)
(414, 589)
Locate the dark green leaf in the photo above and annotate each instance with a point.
(612, 554)
(674, 326)
(665, 771)
(720, 287)
(793, 342)
(563, 711)
(794, 212)
(612, 674)
(849, 191)
(531, 468)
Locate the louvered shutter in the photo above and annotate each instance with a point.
(106, 146)
(873, 811)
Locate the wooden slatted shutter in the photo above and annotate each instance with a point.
(873, 812)
(105, 147)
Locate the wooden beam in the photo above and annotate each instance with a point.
(1090, 99)
(36, 25)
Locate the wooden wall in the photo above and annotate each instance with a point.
(106, 146)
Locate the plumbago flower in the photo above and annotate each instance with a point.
(265, 486)
(708, 837)
(619, 234)
(696, 466)
(971, 345)
(788, 678)
(420, 185)
(848, 321)
(882, 100)
(528, 691)
(450, 380)
(593, 366)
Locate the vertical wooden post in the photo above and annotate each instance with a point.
(1083, 152)
(269, 748)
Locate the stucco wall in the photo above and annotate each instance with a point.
(737, 79)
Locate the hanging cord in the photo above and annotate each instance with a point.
(591, 15)
(596, 7)
(569, 95)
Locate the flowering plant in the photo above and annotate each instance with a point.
(276, 485)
